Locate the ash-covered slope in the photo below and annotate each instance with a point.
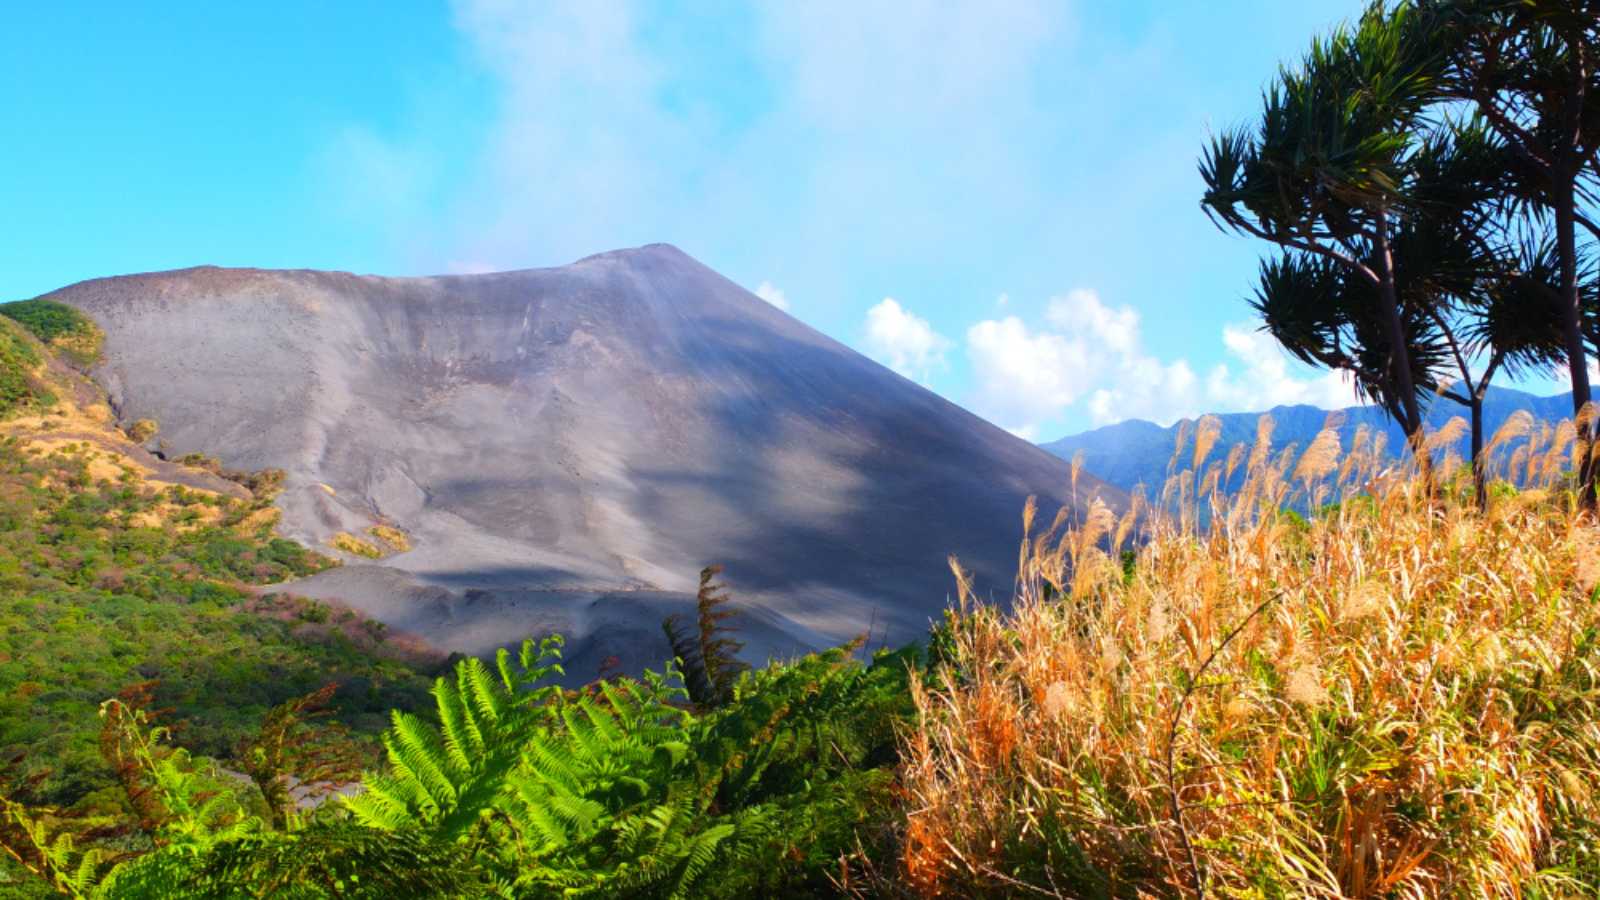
(567, 447)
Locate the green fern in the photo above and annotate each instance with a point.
(522, 789)
(187, 810)
(55, 857)
(335, 860)
(813, 744)
(588, 793)
(196, 807)
(443, 779)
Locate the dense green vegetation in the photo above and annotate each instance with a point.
(1407, 673)
(772, 782)
(107, 583)
(516, 787)
(19, 356)
(58, 325)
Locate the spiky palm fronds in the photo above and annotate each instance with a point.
(1324, 316)
(1335, 135)
(1385, 202)
(1531, 69)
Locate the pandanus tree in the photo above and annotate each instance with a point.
(1493, 333)
(1531, 68)
(1462, 290)
(1326, 315)
(1328, 174)
(1463, 261)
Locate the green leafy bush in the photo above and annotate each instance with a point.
(58, 325)
(99, 591)
(325, 860)
(619, 791)
(515, 787)
(18, 358)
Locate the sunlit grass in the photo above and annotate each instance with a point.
(1396, 696)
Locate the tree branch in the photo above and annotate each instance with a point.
(1455, 350)
(1521, 140)
(1315, 249)
(1495, 359)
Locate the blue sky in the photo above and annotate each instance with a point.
(998, 199)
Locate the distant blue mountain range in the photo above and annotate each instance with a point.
(1136, 451)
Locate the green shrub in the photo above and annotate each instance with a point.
(397, 540)
(513, 787)
(90, 604)
(618, 790)
(202, 461)
(19, 357)
(58, 325)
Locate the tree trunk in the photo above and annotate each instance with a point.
(1399, 354)
(1571, 313)
(1480, 481)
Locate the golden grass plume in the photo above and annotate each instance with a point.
(1396, 697)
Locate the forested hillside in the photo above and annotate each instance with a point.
(121, 573)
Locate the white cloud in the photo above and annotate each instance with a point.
(1025, 376)
(771, 293)
(903, 341)
(1092, 352)
(550, 177)
(1265, 379)
(1081, 311)
(377, 180)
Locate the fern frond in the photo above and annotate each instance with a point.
(416, 752)
(463, 740)
(604, 725)
(386, 803)
(479, 691)
(553, 760)
(701, 852)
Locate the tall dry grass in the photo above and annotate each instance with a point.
(1396, 697)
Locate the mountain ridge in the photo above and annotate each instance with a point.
(1136, 451)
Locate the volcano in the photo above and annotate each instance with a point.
(565, 448)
